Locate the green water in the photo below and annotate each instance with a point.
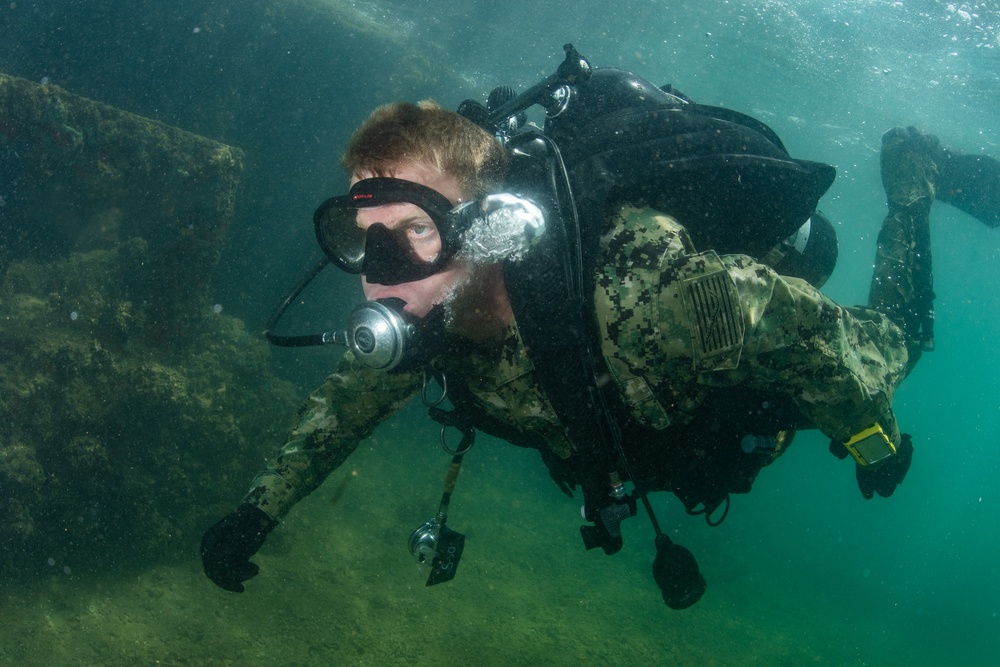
(804, 570)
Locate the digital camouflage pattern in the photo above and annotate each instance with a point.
(355, 399)
(334, 419)
(500, 378)
(675, 324)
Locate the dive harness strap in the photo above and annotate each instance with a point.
(548, 286)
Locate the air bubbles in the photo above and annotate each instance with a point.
(217, 308)
(51, 562)
(73, 316)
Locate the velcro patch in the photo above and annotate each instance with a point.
(713, 306)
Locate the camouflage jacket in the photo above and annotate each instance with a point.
(675, 325)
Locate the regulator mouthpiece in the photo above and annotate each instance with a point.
(379, 335)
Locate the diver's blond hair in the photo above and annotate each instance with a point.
(426, 133)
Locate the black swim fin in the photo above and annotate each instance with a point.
(970, 183)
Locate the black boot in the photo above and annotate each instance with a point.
(909, 170)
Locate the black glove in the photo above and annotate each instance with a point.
(884, 477)
(227, 546)
(676, 573)
(837, 449)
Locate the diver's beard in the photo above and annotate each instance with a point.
(473, 307)
(456, 300)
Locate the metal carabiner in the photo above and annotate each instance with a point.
(442, 380)
(468, 440)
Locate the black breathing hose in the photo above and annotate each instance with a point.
(309, 340)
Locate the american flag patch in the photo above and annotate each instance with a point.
(714, 308)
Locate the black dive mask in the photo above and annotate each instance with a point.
(423, 239)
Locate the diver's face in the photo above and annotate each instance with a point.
(420, 295)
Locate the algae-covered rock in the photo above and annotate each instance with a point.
(112, 449)
(131, 411)
(80, 175)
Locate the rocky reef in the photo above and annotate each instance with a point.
(132, 411)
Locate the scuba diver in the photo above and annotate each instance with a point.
(632, 291)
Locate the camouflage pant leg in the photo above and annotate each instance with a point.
(903, 283)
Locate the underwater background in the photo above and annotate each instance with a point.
(121, 442)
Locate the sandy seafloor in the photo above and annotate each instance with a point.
(337, 585)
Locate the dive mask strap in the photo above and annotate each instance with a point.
(380, 190)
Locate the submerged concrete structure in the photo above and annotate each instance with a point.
(126, 400)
